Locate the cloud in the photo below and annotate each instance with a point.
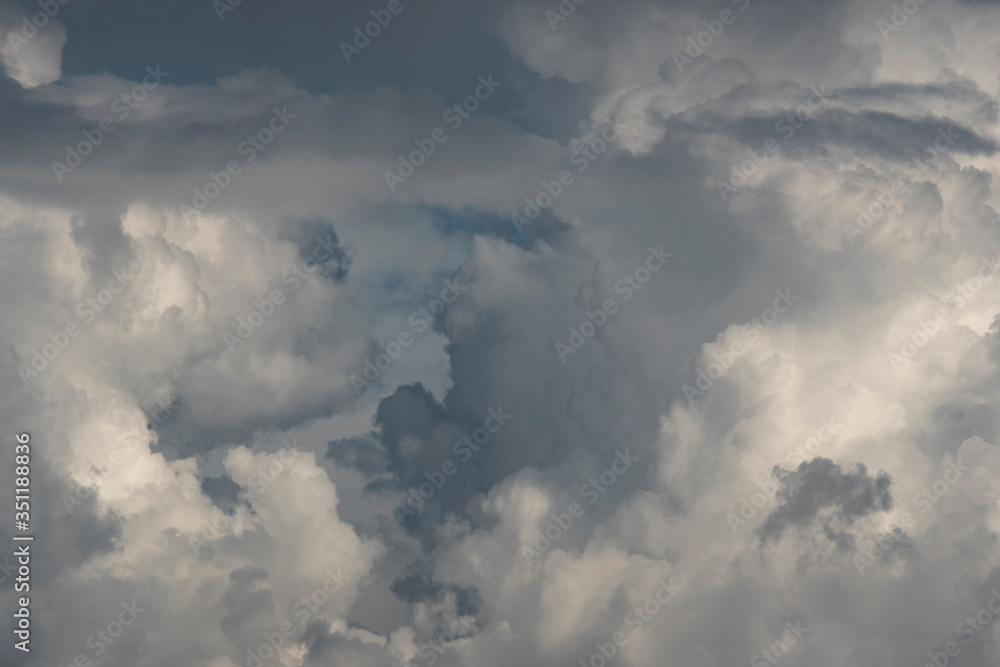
(182, 352)
(820, 490)
(32, 55)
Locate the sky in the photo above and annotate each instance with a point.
(406, 333)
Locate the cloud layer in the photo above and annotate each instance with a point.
(675, 343)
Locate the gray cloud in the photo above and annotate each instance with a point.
(172, 427)
(820, 492)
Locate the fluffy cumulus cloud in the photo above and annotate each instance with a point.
(535, 332)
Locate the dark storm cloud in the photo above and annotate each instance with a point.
(223, 491)
(820, 491)
(362, 453)
(309, 234)
(830, 126)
